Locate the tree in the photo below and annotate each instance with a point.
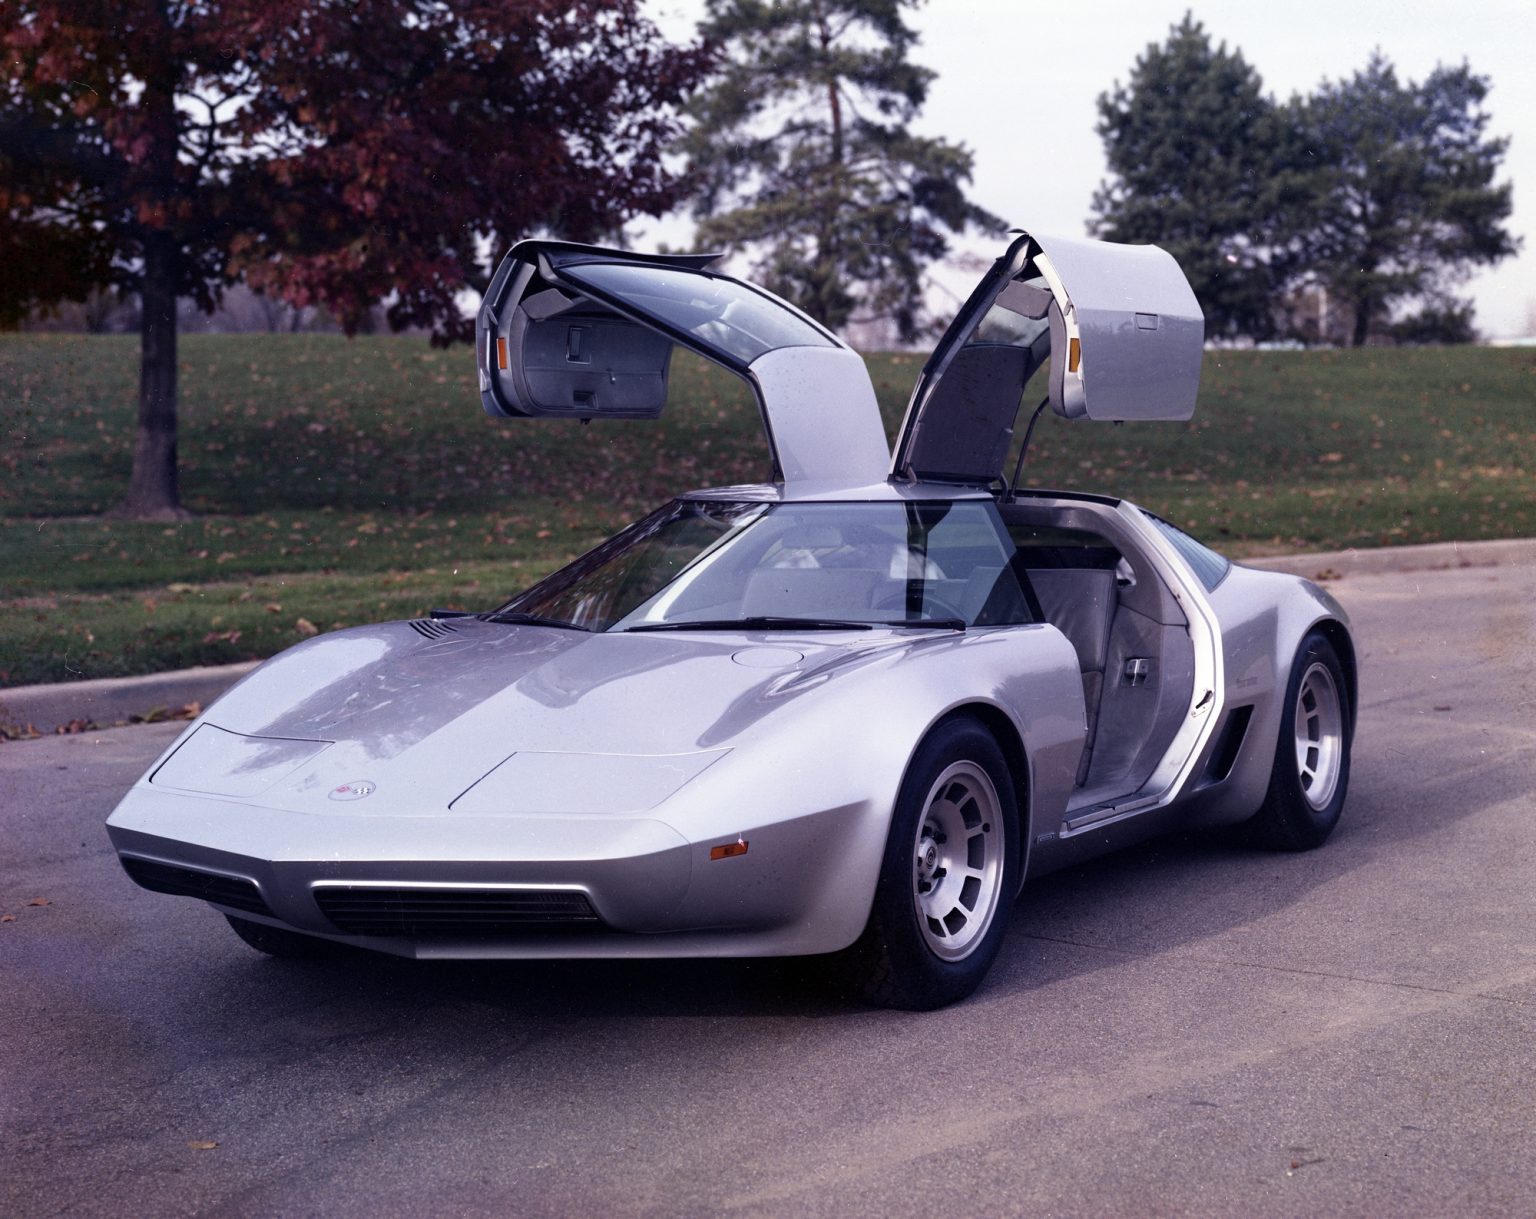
(330, 154)
(1407, 202)
(1437, 324)
(802, 151)
(1196, 149)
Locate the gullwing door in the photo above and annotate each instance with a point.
(585, 332)
(1119, 325)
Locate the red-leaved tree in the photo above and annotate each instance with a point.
(339, 154)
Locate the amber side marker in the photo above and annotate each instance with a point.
(501, 353)
(739, 847)
(1074, 355)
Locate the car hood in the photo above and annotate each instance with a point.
(413, 716)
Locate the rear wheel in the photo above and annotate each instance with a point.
(277, 942)
(1311, 771)
(948, 875)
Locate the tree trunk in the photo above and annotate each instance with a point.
(825, 305)
(1362, 321)
(153, 493)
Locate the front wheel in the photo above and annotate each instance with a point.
(1311, 770)
(949, 872)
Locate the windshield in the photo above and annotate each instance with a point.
(822, 565)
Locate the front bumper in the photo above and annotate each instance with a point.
(442, 886)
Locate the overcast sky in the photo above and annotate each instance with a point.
(1018, 79)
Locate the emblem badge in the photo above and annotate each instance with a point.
(354, 790)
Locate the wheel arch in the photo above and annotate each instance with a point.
(1337, 634)
(1006, 733)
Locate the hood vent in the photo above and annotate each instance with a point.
(429, 628)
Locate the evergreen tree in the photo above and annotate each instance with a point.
(803, 154)
(1407, 202)
(1196, 149)
(1381, 193)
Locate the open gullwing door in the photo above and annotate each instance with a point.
(584, 332)
(1119, 325)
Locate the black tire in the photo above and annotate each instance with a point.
(1310, 776)
(277, 942)
(957, 793)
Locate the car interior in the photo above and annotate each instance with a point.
(1132, 640)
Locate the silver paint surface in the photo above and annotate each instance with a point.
(612, 763)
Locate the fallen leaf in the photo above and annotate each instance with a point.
(7, 918)
(305, 627)
(39, 901)
(272, 607)
(202, 1144)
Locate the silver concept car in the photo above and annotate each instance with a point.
(850, 711)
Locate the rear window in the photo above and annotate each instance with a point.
(729, 318)
(1060, 546)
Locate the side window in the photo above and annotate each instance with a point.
(1209, 567)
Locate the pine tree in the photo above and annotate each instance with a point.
(1195, 150)
(804, 157)
(1407, 202)
(1379, 192)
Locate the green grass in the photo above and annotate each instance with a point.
(344, 482)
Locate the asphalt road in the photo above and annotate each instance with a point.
(1187, 1028)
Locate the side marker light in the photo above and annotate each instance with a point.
(727, 850)
(501, 353)
(1074, 355)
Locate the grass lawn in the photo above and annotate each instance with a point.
(340, 482)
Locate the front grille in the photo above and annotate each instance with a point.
(233, 891)
(366, 910)
(429, 628)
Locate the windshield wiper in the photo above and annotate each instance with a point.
(758, 622)
(518, 618)
(769, 622)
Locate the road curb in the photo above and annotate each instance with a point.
(117, 700)
(1436, 556)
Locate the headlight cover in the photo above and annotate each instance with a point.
(216, 762)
